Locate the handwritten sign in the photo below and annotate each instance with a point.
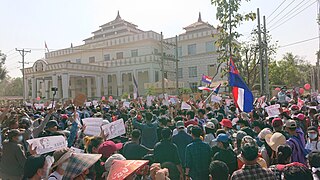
(215, 99)
(79, 99)
(114, 129)
(273, 110)
(77, 150)
(92, 126)
(184, 105)
(48, 144)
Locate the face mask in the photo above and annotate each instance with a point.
(312, 135)
(20, 138)
(238, 127)
(64, 166)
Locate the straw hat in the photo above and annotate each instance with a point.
(275, 140)
(264, 132)
(61, 156)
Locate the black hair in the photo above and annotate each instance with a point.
(166, 133)
(191, 114)
(136, 133)
(163, 120)
(314, 159)
(92, 142)
(196, 131)
(297, 172)
(219, 170)
(148, 116)
(209, 130)
(249, 151)
(201, 111)
(284, 152)
(173, 170)
(156, 112)
(32, 165)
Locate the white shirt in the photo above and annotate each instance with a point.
(313, 145)
(55, 176)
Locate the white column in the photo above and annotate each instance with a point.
(26, 88)
(151, 74)
(73, 87)
(33, 88)
(119, 83)
(105, 84)
(55, 84)
(98, 86)
(38, 87)
(89, 91)
(65, 85)
(46, 89)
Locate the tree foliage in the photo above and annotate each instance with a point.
(230, 19)
(291, 71)
(3, 70)
(11, 87)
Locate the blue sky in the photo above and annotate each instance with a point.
(27, 24)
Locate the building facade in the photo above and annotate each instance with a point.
(117, 52)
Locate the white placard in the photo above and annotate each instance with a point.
(149, 100)
(184, 105)
(173, 100)
(88, 104)
(215, 99)
(48, 144)
(126, 104)
(39, 106)
(77, 150)
(95, 103)
(114, 129)
(92, 130)
(273, 110)
(52, 105)
(92, 121)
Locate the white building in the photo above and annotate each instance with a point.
(106, 63)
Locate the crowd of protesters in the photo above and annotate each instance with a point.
(208, 141)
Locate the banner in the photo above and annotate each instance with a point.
(273, 110)
(47, 144)
(149, 100)
(126, 104)
(79, 99)
(216, 99)
(184, 105)
(39, 106)
(114, 129)
(121, 169)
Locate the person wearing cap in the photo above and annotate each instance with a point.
(313, 139)
(277, 125)
(166, 151)
(78, 166)
(225, 153)
(243, 125)
(198, 157)
(181, 139)
(128, 124)
(133, 150)
(226, 124)
(14, 157)
(237, 143)
(296, 142)
(61, 157)
(209, 129)
(251, 169)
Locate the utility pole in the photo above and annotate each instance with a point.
(267, 89)
(23, 52)
(177, 66)
(162, 63)
(260, 56)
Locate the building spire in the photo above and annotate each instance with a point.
(118, 15)
(199, 19)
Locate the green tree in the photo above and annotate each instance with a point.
(230, 19)
(185, 90)
(151, 91)
(11, 87)
(3, 70)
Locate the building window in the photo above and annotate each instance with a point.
(156, 51)
(212, 69)
(107, 57)
(130, 88)
(78, 61)
(130, 76)
(192, 49)
(180, 73)
(110, 90)
(193, 71)
(109, 78)
(156, 76)
(193, 86)
(179, 51)
(134, 53)
(123, 77)
(210, 46)
(92, 59)
(119, 55)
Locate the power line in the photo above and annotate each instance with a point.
(299, 42)
(281, 12)
(293, 16)
(276, 9)
(292, 11)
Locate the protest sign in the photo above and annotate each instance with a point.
(93, 126)
(126, 104)
(77, 150)
(173, 100)
(79, 99)
(273, 110)
(121, 169)
(215, 99)
(114, 129)
(88, 104)
(39, 106)
(95, 103)
(184, 105)
(51, 105)
(47, 144)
